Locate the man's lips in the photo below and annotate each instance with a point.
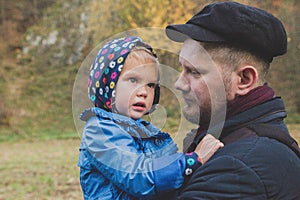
(188, 100)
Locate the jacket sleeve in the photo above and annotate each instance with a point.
(117, 156)
(224, 178)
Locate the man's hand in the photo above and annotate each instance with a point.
(207, 147)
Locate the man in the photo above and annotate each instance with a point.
(260, 160)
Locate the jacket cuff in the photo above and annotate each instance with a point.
(193, 161)
(168, 172)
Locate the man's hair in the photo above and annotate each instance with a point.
(230, 57)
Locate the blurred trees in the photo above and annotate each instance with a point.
(43, 42)
(17, 16)
(111, 17)
(284, 75)
(117, 16)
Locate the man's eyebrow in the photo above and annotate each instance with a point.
(187, 64)
(183, 61)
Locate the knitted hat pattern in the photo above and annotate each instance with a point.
(106, 69)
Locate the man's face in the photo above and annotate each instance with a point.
(201, 84)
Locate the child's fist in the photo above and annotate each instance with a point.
(207, 147)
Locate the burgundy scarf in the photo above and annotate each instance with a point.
(255, 97)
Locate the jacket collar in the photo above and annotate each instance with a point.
(137, 128)
(269, 111)
(95, 111)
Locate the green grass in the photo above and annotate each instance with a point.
(46, 167)
(295, 131)
(8, 134)
(293, 119)
(39, 170)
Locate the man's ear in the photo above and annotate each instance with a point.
(248, 77)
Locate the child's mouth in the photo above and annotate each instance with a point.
(139, 106)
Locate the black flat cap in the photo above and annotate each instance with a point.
(247, 27)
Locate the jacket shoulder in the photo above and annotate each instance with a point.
(224, 177)
(256, 167)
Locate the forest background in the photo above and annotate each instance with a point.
(42, 45)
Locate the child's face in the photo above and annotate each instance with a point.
(135, 89)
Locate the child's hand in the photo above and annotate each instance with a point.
(207, 147)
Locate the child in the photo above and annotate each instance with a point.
(121, 155)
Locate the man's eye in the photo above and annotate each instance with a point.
(151, 85)
(193, 72)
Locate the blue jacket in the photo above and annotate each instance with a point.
(251, 165)
(110, 148)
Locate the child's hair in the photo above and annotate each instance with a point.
(141, 54)
(108, 65)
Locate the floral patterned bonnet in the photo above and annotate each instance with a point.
(107, 67)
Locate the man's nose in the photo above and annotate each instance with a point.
(182, 83)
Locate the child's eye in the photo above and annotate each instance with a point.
(151, 85)
(132, 80)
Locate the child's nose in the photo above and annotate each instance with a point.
(142, 91)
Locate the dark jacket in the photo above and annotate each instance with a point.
(250, 166)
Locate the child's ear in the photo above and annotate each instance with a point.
(248, 77)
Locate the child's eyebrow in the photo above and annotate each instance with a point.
(138, 75)
(132, 73)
